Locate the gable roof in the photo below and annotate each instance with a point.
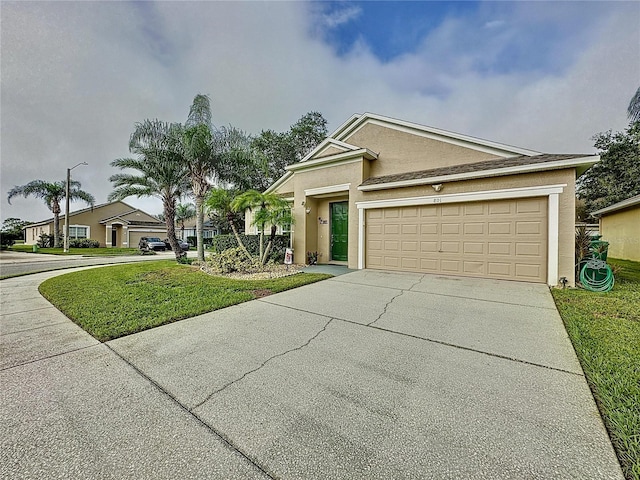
(488, 168)
(92, 209)
(513, 159)
(629, 202)
(357, 121)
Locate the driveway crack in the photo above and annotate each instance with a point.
(224, 387)
(393, 299)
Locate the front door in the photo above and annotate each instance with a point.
(339, 231)
(114, 237)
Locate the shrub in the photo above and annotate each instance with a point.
(7, 239)
(252, 242)
(193, 241)
(45, 240)
(84, 243)
(231, 260)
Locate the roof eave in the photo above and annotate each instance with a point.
(630, 202)
(496, 172)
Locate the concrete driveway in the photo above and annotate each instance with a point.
(366, 375)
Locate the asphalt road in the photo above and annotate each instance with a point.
(18, 263)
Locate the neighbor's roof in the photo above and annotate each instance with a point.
(84, 210)
(498, 167)
(629, 202)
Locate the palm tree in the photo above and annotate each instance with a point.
(633, 110)
(52, 193)
(184, 212)
(201, 159)
(269, 210)
(162, 171)
(219, 202)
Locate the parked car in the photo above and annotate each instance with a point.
(151, 243)
(184, 245)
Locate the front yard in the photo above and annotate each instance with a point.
(120, 300)
(605, 331)
(604, 327)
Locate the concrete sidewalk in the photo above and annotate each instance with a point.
(366, 375)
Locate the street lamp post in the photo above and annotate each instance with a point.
(66, 211)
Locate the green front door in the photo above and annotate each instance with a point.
(339, 231)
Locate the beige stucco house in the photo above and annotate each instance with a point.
(382, 193)
(114, 224)
(620, 226)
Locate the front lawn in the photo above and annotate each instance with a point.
(119, 300)
(605, 331)
(89, 252)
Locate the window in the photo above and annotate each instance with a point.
(78, 232)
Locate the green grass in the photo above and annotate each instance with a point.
(90, 252)
(120, 300)
(605, 331)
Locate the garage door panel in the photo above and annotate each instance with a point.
(429, 265)
(499, 269)
(450, 229)
(376, 229)
(528, 271)
(495, 239)
(429, 247)
(530, 205)
(474, 228)
(500, 228)
(472, 248)
(374, 245)
(496, 248)
(429, 229)
(474, 268)
(410, 229)
(450, 210)
(429, 211)
(450, 266)
(474, 209)
(450, 247)
(501, 208)
(411, 246)
(528, 228)
(409, 212)
(528, 249)
(410, 263)
(390, 261)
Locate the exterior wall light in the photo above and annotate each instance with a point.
(437, 187)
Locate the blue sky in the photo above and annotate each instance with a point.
(536, 43)
(389, 28)
(540, 75)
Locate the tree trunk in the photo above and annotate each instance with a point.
(263, 260)
(272, 237)
(170, 221)
(199, 223)
(235, 232)
(56, 224)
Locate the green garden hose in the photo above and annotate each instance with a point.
(597, 276)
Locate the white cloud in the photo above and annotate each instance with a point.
(77, 76)
(341, 16)
(494, 24)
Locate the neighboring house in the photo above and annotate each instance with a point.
(620, 226)
(114, 224)
(387, 194)
(208, 230)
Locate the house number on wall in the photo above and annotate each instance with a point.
(437, 200)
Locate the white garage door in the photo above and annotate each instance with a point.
(504, 239)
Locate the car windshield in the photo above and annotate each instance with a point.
(153, 239)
